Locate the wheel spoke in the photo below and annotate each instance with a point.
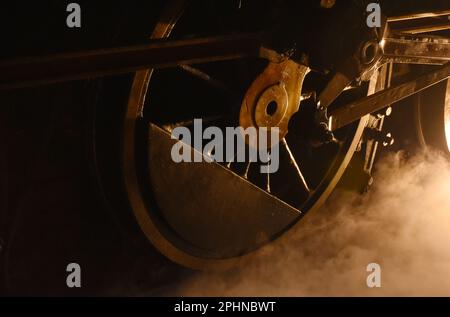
(208, 79)
(170, 126)
(231, 161)
(268, 181)
(296, 166)
(247, 168)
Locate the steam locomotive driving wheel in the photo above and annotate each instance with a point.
(215, 215)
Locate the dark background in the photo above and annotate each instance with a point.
(51, 212)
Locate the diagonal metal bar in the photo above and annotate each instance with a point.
(349, 113)
(294, 163)
(425, 28)
(215, 83)
(153, 54)
(247, 168)
(420, 15)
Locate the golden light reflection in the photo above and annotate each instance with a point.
(447, 115)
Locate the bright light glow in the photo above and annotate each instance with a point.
(447, 115)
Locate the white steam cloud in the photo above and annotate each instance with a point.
(402, 223)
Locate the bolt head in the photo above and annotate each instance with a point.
(388, 111)
(327, 4)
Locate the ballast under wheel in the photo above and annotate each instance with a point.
(214, 215)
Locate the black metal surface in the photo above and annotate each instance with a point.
(221, 211)
(155, 54)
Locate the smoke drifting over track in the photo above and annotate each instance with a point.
(402, 223)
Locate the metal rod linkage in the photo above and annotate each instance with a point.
(349, 113)
(415, 16)
(154, 54)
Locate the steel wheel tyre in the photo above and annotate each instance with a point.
(433, 117)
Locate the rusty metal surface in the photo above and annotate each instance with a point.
(235, 216)
(418, 49)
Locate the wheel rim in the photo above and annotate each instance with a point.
(144, 213)
(447, 115)
(433, 117)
